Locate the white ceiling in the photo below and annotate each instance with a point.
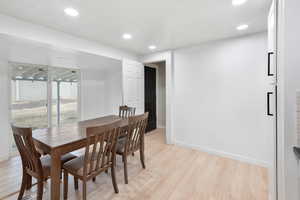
(168, 24)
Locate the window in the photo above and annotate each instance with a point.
(30, 96)
(64, 95)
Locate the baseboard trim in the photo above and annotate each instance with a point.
(225, 154)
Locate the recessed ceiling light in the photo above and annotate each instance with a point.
(19, 77)
(71, 12)
(242, 27)
(127, 36)
(238, 2)
(31, 78)
(152, 47)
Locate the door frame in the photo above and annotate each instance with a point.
(166, 57)
(282, 148)
(157, 78)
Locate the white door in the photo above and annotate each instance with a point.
(270, 112)
(133, 85)
(271, 68)
(271, 95)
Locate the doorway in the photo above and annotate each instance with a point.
(155, 95)
(165, 61)
(150, 97)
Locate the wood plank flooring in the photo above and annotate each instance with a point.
(172, 173)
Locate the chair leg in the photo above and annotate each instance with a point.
(113, 178)
(40, 190)
(23, 186)
(66, 177)
(29, 183)
(83, 190)
(125, 168)
(75, 183)
(94, 179)
(142, 157)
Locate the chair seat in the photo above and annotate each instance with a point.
(121, 145)
(46, 162)
(75, 166)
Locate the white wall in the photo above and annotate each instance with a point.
(4, 111)
(289, 84)
(101, 91)
(92, 95)
(114, 90)
(22, 29)
(219, 98)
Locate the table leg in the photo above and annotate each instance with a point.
(55, 175)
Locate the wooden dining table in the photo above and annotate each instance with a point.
(57, 141)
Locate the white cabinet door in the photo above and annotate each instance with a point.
(133, 85)
(271, 68)
(270, 112)
(271, 94)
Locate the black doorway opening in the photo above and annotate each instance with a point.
(150, 97)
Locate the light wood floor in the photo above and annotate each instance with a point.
(173, 173)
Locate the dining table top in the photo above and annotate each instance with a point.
(60, 140)
(56, 137)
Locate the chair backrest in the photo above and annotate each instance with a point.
(136, 132)
(125, 111)
(30, 157)
(100, 150)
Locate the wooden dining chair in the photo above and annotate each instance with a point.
(34, 165)
(133, 141)
(100, 155)
(125, 111)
